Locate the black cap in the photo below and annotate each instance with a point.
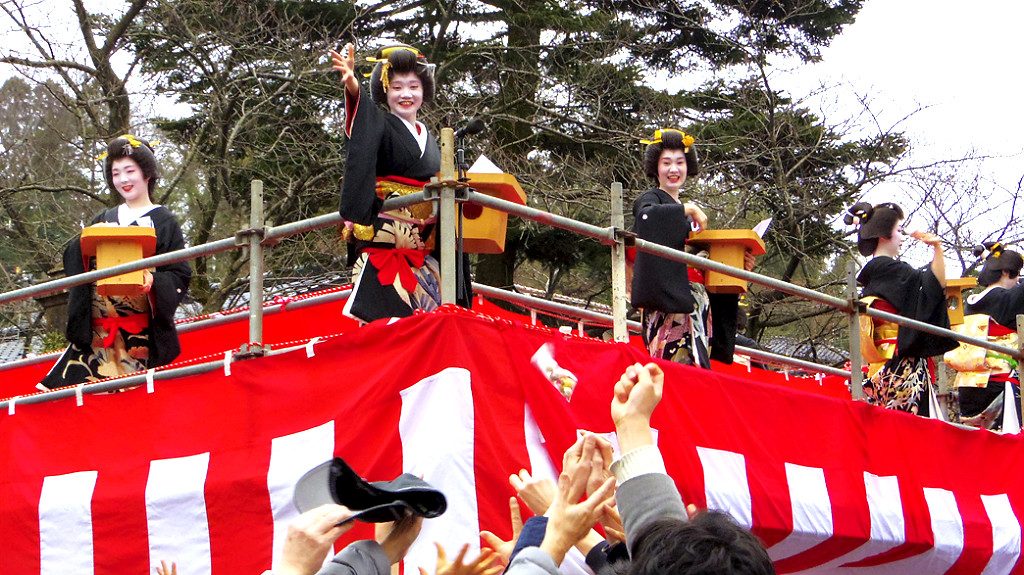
(374, 502)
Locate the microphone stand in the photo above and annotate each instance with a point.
(460, 259)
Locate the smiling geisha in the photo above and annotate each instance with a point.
(116, 335)
(392, 154)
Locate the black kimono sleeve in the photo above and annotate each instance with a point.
(365, 128)
(915, 293)
(660, 284)
(170, 284)
(1000, 304)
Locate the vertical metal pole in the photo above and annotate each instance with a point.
(619, 307)
(447, 216)
(256, 268)
(1020, 344)
(856, 375)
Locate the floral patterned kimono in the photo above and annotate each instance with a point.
(393, 253)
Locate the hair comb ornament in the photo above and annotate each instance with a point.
(858, 214)
(656, 138)
(994, 249)
(131, 142)
(383, 57)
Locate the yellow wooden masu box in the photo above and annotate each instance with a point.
(116, 245)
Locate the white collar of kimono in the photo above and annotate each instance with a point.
(127, 216)
(420, 135)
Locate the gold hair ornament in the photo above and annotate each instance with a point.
(656, 138)
(127, 149)
(383, 56)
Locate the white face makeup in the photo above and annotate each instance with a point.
(671, 170)
(405, 95)
(129, 180)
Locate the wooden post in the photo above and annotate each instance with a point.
(856, 375)
(447, 216)
(255, 243)
(619, 307)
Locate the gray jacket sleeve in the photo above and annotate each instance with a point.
(646, 498)
(532, 561)
(359, 558)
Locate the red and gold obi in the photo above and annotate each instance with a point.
(974, 365)
(877, 336)
(392, 187)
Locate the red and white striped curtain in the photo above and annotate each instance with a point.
(200, 471)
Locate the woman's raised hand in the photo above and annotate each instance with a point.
(345, 62)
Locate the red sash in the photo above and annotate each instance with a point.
(135, 323)
(397, 263)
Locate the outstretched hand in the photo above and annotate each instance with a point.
(637, 392)
(503, 549)
(569, 519)
(310, 537)
(927, 238)
(164, 570)
(487, 563)
(536, 492)
(345, 62)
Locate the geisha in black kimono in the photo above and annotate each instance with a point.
(117, 335)
(998, 305)
(899, 374)
(681, 322)
(389, 155)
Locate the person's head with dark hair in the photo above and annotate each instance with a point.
(670, 157)
(130, 168)
(402, 80)
(876, 225)
(1002, 266)
(669, 139)
(711, 543)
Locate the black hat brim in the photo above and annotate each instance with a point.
(335, 482)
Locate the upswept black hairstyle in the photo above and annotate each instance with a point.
(401, 59)
(670, 140)
(709, 544)
(998, 261)
(872, 222)
(138, 149)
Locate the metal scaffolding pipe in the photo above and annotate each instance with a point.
(208, 249)
(214, 320)
(606, 320)
(126, 382)
(62, 284)
(604, 235)
(544, 305)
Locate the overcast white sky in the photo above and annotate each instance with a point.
(962, 61)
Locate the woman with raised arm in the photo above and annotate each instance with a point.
(681, 322)
(116, 335)
(390, 154)
(899, 357)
